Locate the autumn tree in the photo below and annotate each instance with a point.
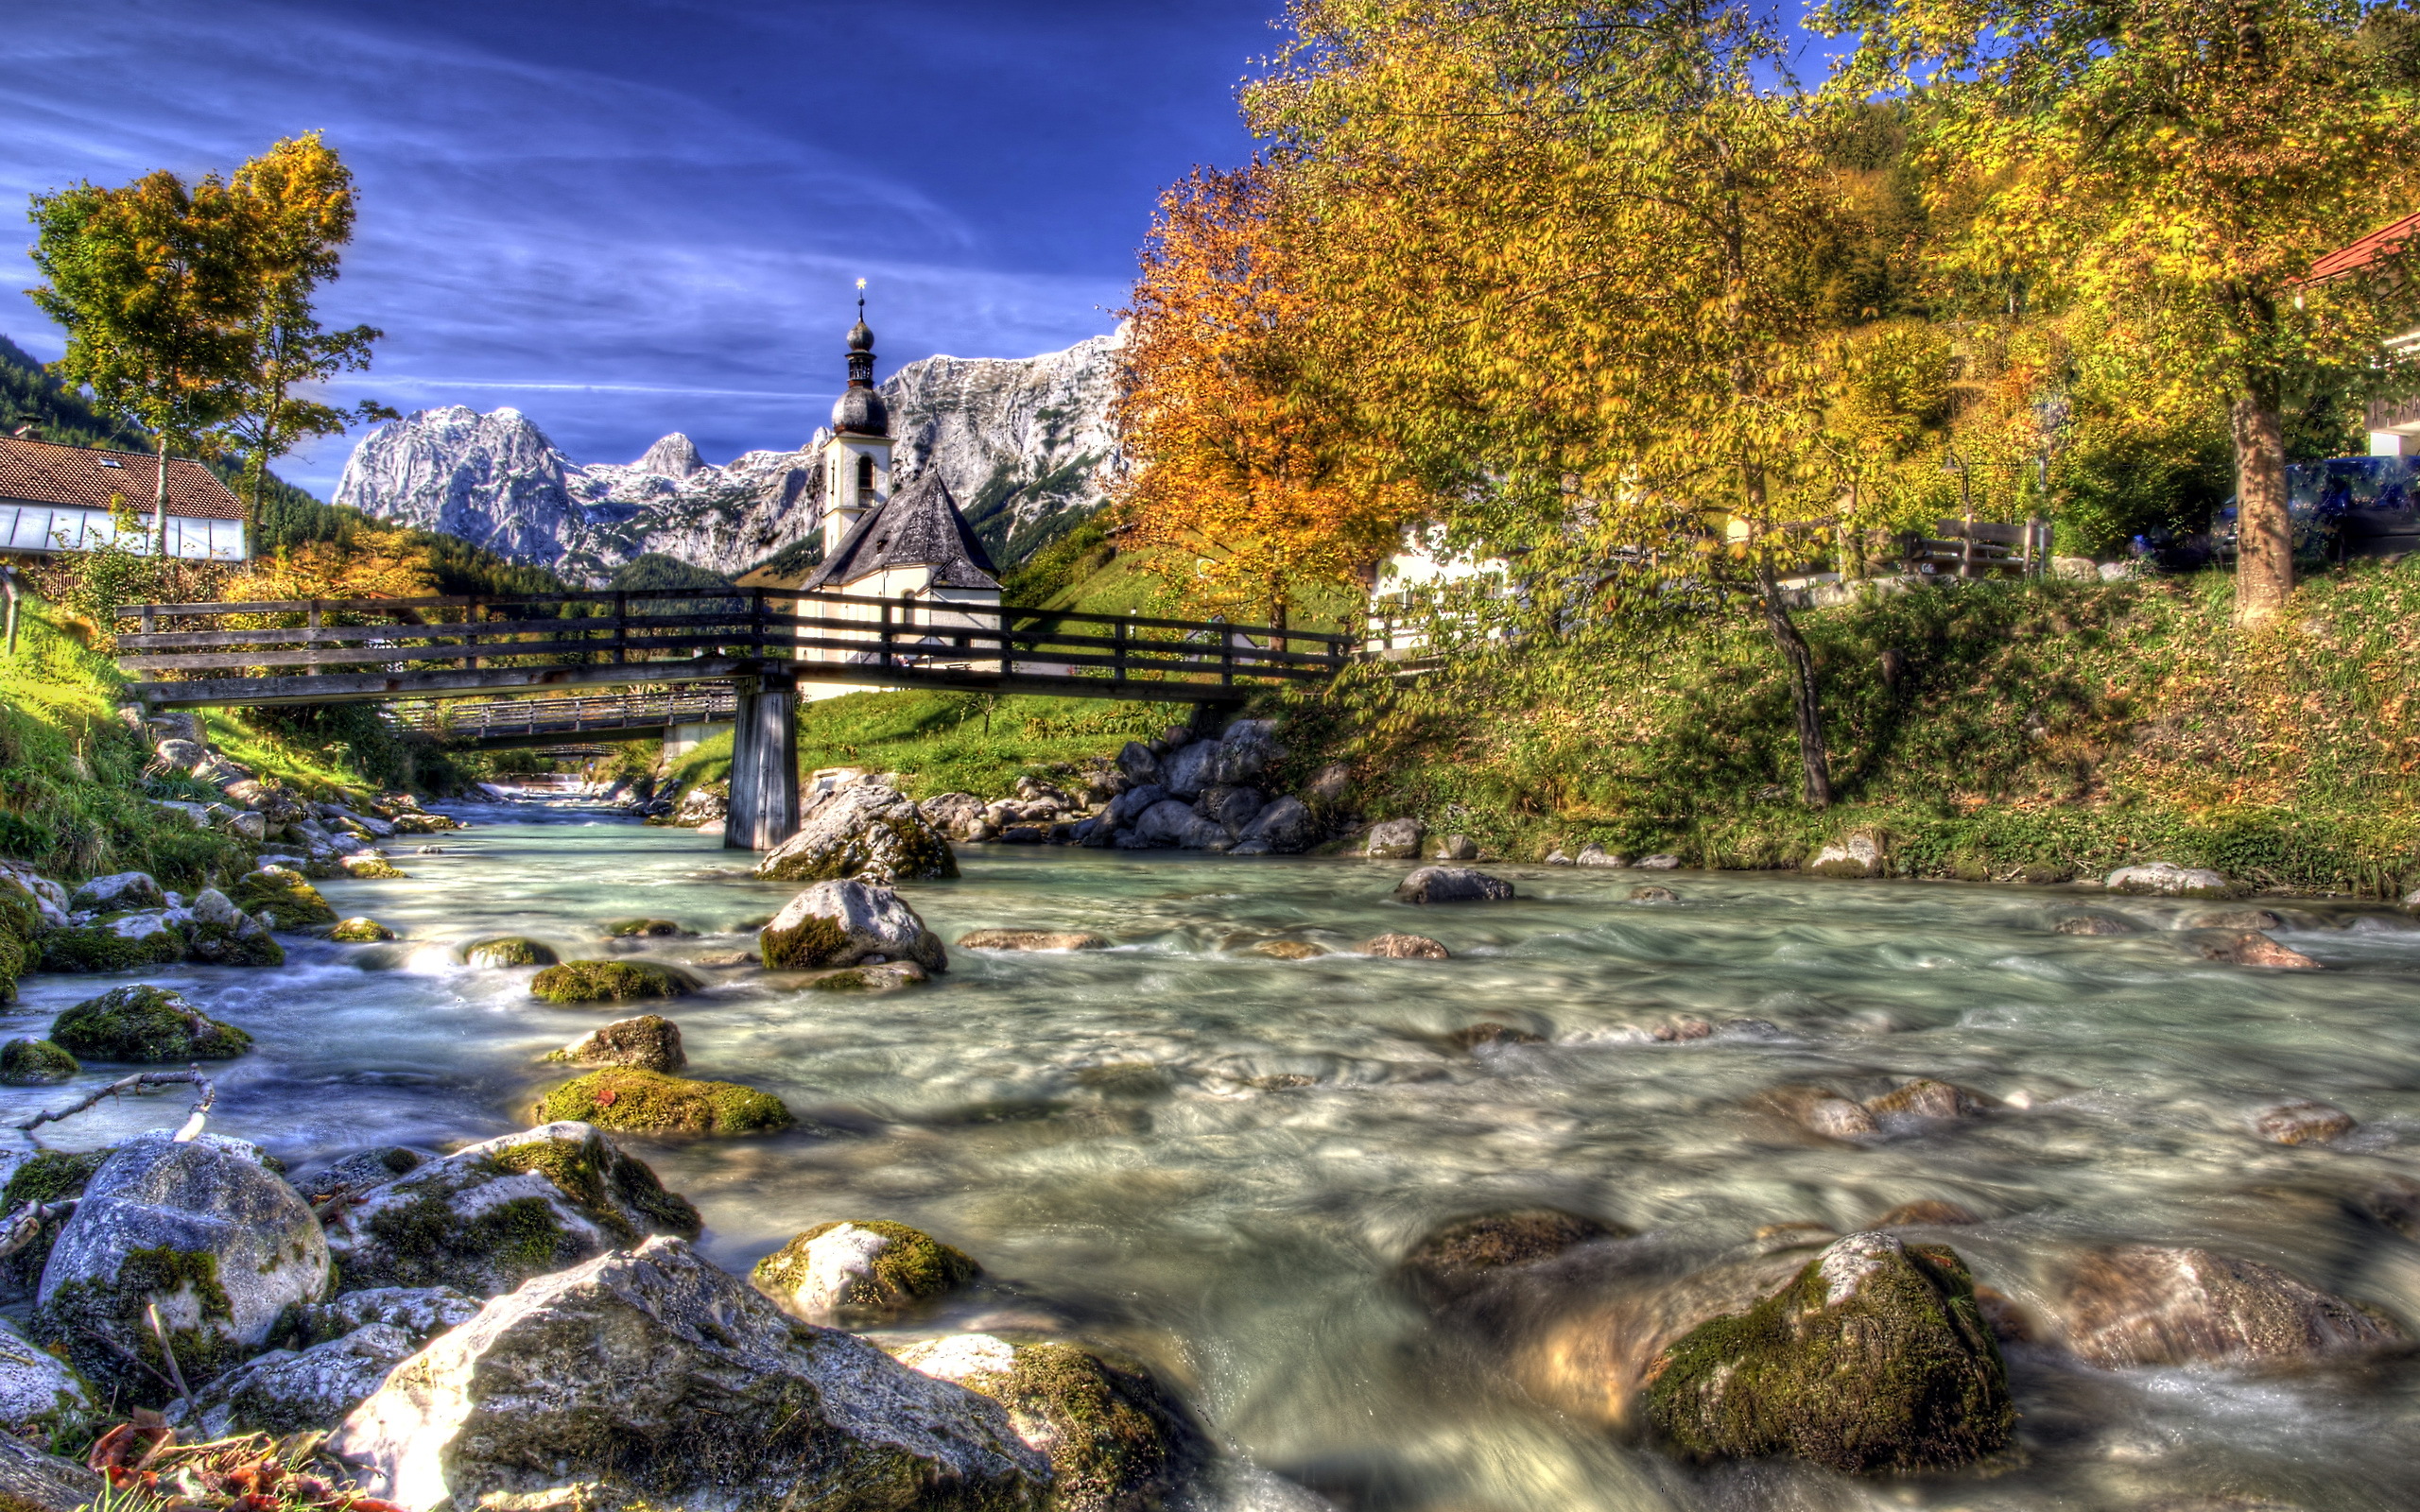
(2176, 167)
(1244, 479)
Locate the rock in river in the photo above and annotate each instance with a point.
(1029, 939)
(648, 1042)
(35, 1063)
(2166, 879)
(1452, 884)
(651, 1376)
(285, 895)
(508, 951)
(487, 1218)
(1406, 948)
(1453, 1259)
(145, 1024)
(609, 982)
(2151, 1304)
(861, 1273)
(1394, 840)
(288, 1392)
(1872, 1358)
(864, 830)
(204, 1231)
(630, 1100)
(844, 923)
(2252, 948)
(2301, 1123)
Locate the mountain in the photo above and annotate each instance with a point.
(1025, 445)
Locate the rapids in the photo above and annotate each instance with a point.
(1213, 1158)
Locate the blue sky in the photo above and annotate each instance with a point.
(627, 218)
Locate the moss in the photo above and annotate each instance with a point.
(913, 1267)
(290, 902)
(100, 948)
(633, 928)
(49, 1177)
(34, 1064)
(145, 1024)
(375, 868)
(20, 921)
(96, 1324)
(423, 1241)
(609, 981)
(595, 1188)
(1118, 1442)
(1902, 1373)
(507, 950)
(814, 941)
(361, 931)
(647, 1102)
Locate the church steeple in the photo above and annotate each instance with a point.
(859, 410)
(857, 475)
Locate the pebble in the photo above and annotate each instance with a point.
(1406, 948)
(1653, 895)
(2302, 1122)
(2252, 948)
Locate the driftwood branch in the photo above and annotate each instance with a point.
(135, 1083)
(19, 1228)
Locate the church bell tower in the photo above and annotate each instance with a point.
(856, 461)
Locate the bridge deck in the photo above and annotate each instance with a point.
(378, 650)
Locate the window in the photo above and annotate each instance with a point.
(865, 474)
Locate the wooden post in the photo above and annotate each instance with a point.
(764, 764)
(471, 613)
(885, 652)
(1118, 673)
(621, 626)
(1008, 658)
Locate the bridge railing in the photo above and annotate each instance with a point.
(618, 712)
(346, 648)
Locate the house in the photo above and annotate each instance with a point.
(57, 498)
(2394, 423)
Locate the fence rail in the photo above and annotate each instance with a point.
(625, 710)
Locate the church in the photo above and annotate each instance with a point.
(908, 543)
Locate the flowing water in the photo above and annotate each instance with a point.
(1213, 1158)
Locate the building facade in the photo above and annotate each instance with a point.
(57, 498)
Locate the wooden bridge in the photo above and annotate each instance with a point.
(761, 643)
(564, 719)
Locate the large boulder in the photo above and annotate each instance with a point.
(2166, 879)
(117, 942)
(1285, 827)
(40, 1397)
(35, 1063)
(1190, 769)
(1872, 1358)
(2151, 1304)
(1171, 822)
(652, 1377)
(610, 981)
(290, 1392)
(1230, 808)
(1138, 764)
(218, 931)
(422, 1312)
(1396, 840)
(117, 893)
(1852, 855)
(865, 829)
(1130, 805)
(649, 1042)
(960, 816)
(1452, 884)
(846, 922)
(1118, 1440)
(200, 1229)
(144, 1023)
(489, 1217)
(285, 895)
(859, 1273)
(630, 1100)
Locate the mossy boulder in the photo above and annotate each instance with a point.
(648, 1042)
(847, 923)
(1452, 1259)
(121, 942)
(609, 982)
(360, 931)
(2162, 1305)
(369, 866)
(218, 931)
(49, 1177)
(490, 1217)
(21, 926)
(145, 1024)
(888, 977)
(507, 950)
(642, 929)
(41, 1398)
(861, 1272)
(120, 892)
(630, 1100)
(285, 895)
(1873, 1358)
(1118, 1441)
(866, 830)
(35, 1063)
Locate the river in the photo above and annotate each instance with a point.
(1213, 1158)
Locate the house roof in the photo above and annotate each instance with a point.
(2379, 245)
(918, 526)
(85, 478)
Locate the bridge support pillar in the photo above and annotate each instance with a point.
(764, 766)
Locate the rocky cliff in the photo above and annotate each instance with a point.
(1025, 446)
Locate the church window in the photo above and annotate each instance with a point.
(864, 473)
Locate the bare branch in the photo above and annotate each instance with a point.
(134, 1083)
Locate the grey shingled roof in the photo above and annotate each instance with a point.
(918, 526)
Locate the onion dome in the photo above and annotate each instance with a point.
(861, 412)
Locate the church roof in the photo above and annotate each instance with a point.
(918, 526)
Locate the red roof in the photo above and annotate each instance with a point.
(85, 478)
(2382, 243)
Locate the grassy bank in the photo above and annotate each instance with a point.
(2065, 727)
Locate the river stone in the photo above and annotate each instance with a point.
(2093, 925)
(1873, 1358)
(887, 976)
(360, 931)
(846, 922)
(1472, 1037)
(47, 898)
(2151, 1304)
(145, 1024)
(2229, 919)
(1394, 840)
(369, 866)
(506, 951)
(1131, 806)
(1819, 1111)
(219, 933)
(1453, 1259)
(1452, 884)
(1556, 858)
(866, 830)
(117, 893)
(1118, 1440)
(1232, 808)
(861, 1273)
(2252, 948)
(1289, 950)
(487, 1218)
(1597, 855)
(2301, 1123)
(1925, 1212)
(2166, 879)
(203, 1231)
(649, 1042)
(652, 1377)
(1285, 827)
(1029, 939)
(1190, 768)
(1927, 1099)
(1852, 855)
(630, 1100)
(1138, 764)
(1653, 895)
(1406, 948)
(117, 942)
(960, 816)
(610, 981)
(32, 1481)
(1172, 822)
(285, 895)
(35, 1063)
(1456, 848)
(645, 929)
(40, 1397)
(360, 1169)
(285, 1392)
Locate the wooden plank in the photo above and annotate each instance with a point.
(225, 660)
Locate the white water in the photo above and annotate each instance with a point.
(1213, 1158)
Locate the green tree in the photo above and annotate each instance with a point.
(2176, 167)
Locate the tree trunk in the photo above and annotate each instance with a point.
(1812, 756)
(2264, 541)
(160, 505)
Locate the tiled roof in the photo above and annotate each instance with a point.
(84, 477)
(918, 526)
(2384, 242)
